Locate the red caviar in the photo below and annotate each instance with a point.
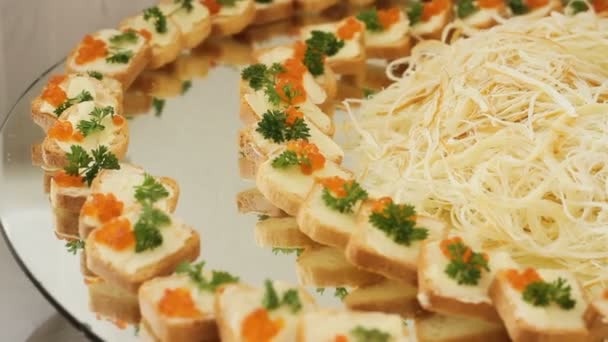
(54, 95)
(379, 205)
(520, 280)
(146, 34)
(299, 50)
(104, 207)
(335, 185)
(536, 3)
(90, 49)
(341, 338)
(116, 234)
(448, 242)
(600, 5)
(258, 327)
(290, 91)
(118, 120)
(389, 16)
(490, 3)
(350, 27)
(433, 8)
(64, 131)
(293, 114)
(62, 179)
(212, 5)
(178, 303)
(310, 152)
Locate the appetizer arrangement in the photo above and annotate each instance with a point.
(476, 170)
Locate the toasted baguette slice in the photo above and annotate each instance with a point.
(66, 224)
(125, 73)
(128, 269)
(440, 293)
(351, 58)
(373, 250)
(287, 188)
(165, 45)
(439, 328)
(389, 296)
(432, 28)
(526, 322)
(484, 18)
(122, 184)
(231, 20)
(273, 11)
(315, 6)
(112, 302)
(252, 201)
(391, 43)
(145, 333)
(327, 325)
(234, 303)
(194, 24)
(327, 267)
(281, 232)
(596, 317)
(323, 224)
(114, 136)
(175, 329)
(107, 92)
(86, 272)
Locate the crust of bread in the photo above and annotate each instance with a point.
(281, 232)
(86, 272)
(204, 329)
(273, 12)
(521, 330)
(247, 168)
(112, 302)
(388, 296)
(391, 51)
(145, 332)
(66, 224)
(65, 200)
(290, 203)
(315, 6)
(200, 31)
(329, 82)
(350, 66)
(251, 200)
(327, 267)
(189, 252)
(230, 25)
(493, 332)
(597, 323)
(43, 119)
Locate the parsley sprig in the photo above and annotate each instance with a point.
(465, 8)
(127, 37)
(578, 6)
(74, 245)
(147, 228)
(286, 251)
(80, 163)
(95, 74)
(542, 293)
(396, 222)
(271, 301)
(227, 3)
(87, 127)
(362, 334)
(185, 4)
(287, 159)
(195, 272)
(158, 105)
(354, 193)
(150, 191)
(340, 293)
(518, 6)
(157, 17)
(119, 56)
(259, 77)
(414, 12)
(465, 265)
(186, 85)
(319, 45)
(371, 20)
(83, 96)
(274, 126)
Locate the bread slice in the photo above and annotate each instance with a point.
(165, 46)
(122, 183)
(327, 267)
(105, 92)
(287, 188)
(125, 73)
(391, 43)
(66, 224)
(315, 6)
(232, 20)
(432, 28)
(440, 293)
(145, 333)
(234, 303)
(596, 317)
(389, 296)
(275, 10)
(440, 328)
(114, 136)
(128, 269)
(194, 24)
(112, 302)
(329, 325)
(323, 224)
(373, 250)
(252, 201)
(281, 232)
(526, 322)
(175, 329)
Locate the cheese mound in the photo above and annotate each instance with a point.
(505, 136)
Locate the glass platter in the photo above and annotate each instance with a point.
(193, 140)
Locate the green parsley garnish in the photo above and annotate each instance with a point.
(320, 44)
(263, 1)
(195, 272)
(286, 251)
(87, 127)
(127, 37)
(150, 191)
(291, 298)
(340, 293)
(147, 228)
(157, 17)
(263, 217)
(371, 20)
(368, 93)
(465, 265)
(287, 159)
(120, 57)
(159, 105)
(541, 293)
(259, 76)
(578, 6)
(362, 334)
(81, 97)
(100, 158)
(227, 3)
(185, 4)
(186, 85)
(414, 12)
(465, 8)
(95, 74)
(320, 290)
(354, 193)
(396, 222)
(74, 245)
(117, 54)
(518, 6)
(274, 126)
(136, 330)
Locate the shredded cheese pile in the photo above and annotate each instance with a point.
(505, 135)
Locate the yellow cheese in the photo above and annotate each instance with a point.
(429, 26)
